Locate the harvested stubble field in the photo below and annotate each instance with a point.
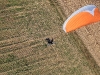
(24, 24)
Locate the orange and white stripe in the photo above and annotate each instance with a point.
(84, 16)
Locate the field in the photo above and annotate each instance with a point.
(24, 25)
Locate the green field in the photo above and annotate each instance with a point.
(24, 25)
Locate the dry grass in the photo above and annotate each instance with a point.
(23, 50)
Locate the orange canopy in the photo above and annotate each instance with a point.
(81, 18)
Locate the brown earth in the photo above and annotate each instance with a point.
(90, 34)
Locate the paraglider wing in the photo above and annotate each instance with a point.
(84, 16)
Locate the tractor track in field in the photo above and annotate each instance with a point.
(13, 44)
(20, 48)
(38, 60)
